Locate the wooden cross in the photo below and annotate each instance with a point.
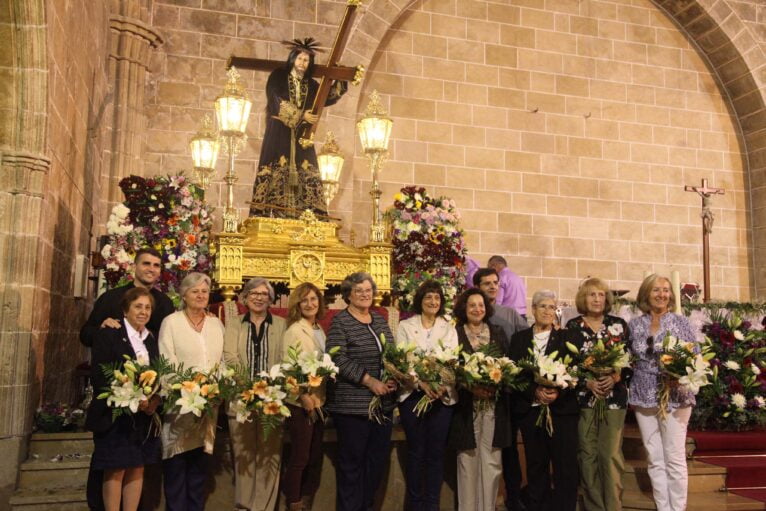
(326, 73)
(707, 227)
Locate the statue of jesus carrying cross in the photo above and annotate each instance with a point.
(288, 180)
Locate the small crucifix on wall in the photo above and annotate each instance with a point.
(707, 227)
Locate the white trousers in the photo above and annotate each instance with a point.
(665, 442)
(479, 470)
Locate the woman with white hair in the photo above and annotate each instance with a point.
(543, 450)
(253, 340)
(193, 338)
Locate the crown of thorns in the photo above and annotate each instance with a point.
(308, 45)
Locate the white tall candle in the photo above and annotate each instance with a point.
(675, 282)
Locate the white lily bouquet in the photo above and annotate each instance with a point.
(484, 368)
(436, 368)
(551, 371)
(681, 366)
(263, 396)
(131, 383)
(306, 372)
(196, 392)
(397, 364)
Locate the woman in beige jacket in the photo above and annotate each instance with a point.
(254, 341)
(305, 307)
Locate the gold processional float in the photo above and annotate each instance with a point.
(290, 250)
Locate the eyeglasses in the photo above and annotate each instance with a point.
(362, 292)
(546, 307)
(258, 294)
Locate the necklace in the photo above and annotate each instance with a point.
(195, 325)
(593, 324)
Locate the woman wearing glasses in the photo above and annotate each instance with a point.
(664, 438)
(253, 341)
(543, 450)
(363, 443)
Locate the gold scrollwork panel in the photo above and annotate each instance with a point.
(275, 268)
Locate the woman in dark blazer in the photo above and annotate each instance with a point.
(479, 434)
(363, 444)
(123, 446)
(540, 449)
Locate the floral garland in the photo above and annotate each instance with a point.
(163, 212)
(735, 398)
(428, 245)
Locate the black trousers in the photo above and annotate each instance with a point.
(363, 453)
(512, 468)
(184, 477)
(426, 443)
(541, 451)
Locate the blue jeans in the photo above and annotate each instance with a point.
(426, 442)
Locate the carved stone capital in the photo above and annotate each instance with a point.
(22, 172)
(132, 39)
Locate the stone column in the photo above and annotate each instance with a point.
(23, 173)
(131, 43)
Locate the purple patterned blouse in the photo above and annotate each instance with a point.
(643, 386)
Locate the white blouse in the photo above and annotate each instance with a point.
(411, 330)
(181, 343)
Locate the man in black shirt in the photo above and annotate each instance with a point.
(107, 313)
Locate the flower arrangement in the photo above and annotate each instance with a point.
(734, 400)
(262, 397)
(164, 212)
(309, 372)
(428, 245)
(486, 368)
(435, 368)
(131, 382)
(398, 361)
(606, 356)
(197, 392)
(553, 372)
(681, 365)
(56, 417)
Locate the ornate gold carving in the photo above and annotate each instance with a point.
(294, 251)
(312, 228)
(358, 75)
(335, 271)
(265, 267)
(306, 266)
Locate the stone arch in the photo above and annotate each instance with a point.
(24, 167)
(736, 59)
(739, 64)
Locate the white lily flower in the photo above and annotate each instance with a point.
(191, 401)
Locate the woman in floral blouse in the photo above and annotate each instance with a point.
(600, 450)
(664, 438)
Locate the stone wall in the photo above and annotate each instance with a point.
(565, 130)
(79, 99)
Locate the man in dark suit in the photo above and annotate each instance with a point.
(107, 313)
